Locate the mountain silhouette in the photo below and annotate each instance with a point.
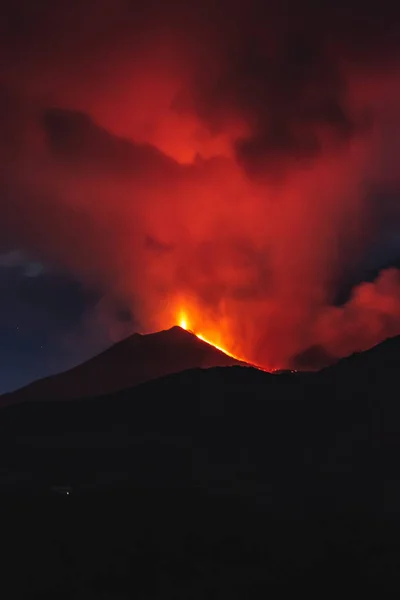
(287, 478)
(332, 434)
(381, 363)
(228, 430)
(137, 359)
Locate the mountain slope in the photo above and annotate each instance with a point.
(380, 361)
(135, 360)
(270, 481)
(224, 430)
(263, 483)
(334, 433)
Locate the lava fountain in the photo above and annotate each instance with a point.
(210, 337)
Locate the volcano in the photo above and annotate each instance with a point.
(135, 360)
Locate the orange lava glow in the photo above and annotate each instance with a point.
(185, 322)
(237, 176)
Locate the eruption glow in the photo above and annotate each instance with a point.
(249, 162)
(184, 322)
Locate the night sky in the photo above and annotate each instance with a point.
(235, 161)
(36, 307)
(51, 322)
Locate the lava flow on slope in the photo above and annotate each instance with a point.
(211, 337)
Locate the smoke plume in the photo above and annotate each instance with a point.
(236, 161)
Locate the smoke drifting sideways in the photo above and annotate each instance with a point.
(221, 158)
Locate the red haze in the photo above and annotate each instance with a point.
(218, 159)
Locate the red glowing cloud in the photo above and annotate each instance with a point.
(219, 160)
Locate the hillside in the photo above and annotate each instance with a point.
(135, 360)
(381, 363)
(230, 430)
(206, 483)
(236, 426)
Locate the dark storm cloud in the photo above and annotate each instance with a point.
(291, 103)
(73, 137)
(284, 126)
(15, 259)
(286, 76)
(280, 69)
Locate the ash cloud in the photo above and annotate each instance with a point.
(224, 152)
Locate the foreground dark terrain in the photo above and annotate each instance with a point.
(219, 483)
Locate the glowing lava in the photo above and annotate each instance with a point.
(183, 322)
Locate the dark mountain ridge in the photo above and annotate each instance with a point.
(135, 360)
(226, 479)
(381, 362)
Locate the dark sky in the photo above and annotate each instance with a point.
(50, 321)
(235, 160)
(38, 308)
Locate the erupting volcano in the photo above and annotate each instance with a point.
(199, 298)
(248, 163)
(185, 323)
(212, 336)
(131, 362)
